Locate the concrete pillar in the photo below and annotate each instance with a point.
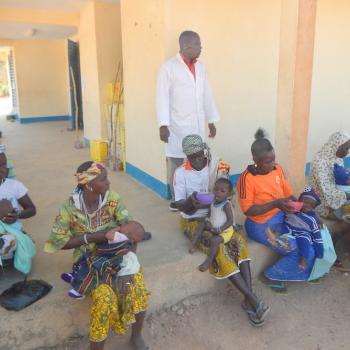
(297, 33)
(100, 52)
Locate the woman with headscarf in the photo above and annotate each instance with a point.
(83, 221)
(198, 175)
(322, 173)
(322, 179)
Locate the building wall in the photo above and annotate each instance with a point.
(143, 36)
(42, 77)
(330, 99)
(240, 53)
(100, 51)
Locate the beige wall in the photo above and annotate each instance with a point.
(143, 35)
(240, 52)
(42, 77)
(330, 100)
(100, 51)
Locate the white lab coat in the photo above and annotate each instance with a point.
(183, 103)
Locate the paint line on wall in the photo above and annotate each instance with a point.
(163, 189)
(26, 120)
(149, 181)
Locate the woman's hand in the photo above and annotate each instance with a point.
(196, 204)
(124, 283)
(283, 204)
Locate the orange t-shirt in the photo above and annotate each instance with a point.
(261, 189)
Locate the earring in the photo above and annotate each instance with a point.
(255, 165)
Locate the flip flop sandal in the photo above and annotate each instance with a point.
(254, 320)
(262, 309)
(278, 288)
(315, 281)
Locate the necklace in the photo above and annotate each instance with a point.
(89, 216)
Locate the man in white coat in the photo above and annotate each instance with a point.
(184, 102)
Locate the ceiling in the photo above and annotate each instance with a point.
(20, 30)
(51, 5)
(11, 30)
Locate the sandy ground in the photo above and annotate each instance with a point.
(310, 317)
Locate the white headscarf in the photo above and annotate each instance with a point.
(322, 174)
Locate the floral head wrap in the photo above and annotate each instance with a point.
(90, 174)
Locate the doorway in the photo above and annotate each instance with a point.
(74, 68)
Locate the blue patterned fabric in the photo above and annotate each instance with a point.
(287, 267)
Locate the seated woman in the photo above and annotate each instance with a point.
(263, 197)
(85, 220)
(198, 174)
(333, 199)
(15, 246)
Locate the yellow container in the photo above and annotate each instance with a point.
(99, 150)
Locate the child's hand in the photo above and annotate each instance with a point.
(302, 263)
(110, 234)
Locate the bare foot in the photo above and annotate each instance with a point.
(138, 343)
(270, 235)
(205, 266)
(302, 263)
(192, 249)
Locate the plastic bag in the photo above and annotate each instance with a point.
(22, 294)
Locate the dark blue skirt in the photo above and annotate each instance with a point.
(287, 267)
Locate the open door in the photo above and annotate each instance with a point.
(74, 62)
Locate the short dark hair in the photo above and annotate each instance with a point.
(185, 36)
(85, 166)
(261, 144)
(226, 181)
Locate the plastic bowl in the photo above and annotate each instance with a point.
(205, 198)
(295, 206)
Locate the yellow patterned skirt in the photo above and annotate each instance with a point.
(110, 310)
(230, 254)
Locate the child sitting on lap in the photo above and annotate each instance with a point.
(221, 223)
(304, 226)
(113, 259)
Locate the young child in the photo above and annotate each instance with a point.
(342, 181)
(221, 221)
(7, 242)
(113, 259)
(304, 226)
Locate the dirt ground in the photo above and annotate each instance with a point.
(309, 317)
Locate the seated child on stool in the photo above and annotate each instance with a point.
(112, 260)
(220, 223)
(304, 226)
